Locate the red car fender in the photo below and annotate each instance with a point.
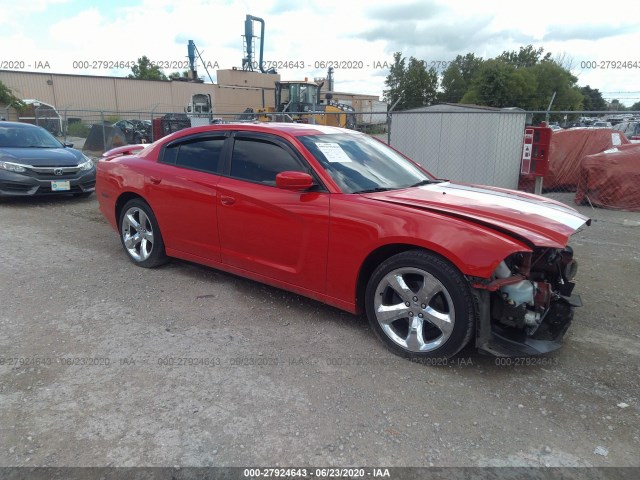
(358, 231)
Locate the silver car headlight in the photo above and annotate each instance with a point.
(87, 164)
(13, 167)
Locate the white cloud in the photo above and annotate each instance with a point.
(317, 31)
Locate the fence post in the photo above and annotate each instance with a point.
(153, 139)
(104, 135)
(65, 125)
(537, 189)
(389, 118)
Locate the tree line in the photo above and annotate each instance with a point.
(526, 79)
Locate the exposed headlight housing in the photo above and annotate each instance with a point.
(13, 167)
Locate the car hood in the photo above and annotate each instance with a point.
(538, 220)
(42, 157)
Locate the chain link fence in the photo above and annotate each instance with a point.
(593, 158)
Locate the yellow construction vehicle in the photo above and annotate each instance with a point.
(295, 101)
(303, 103)
(300, 102)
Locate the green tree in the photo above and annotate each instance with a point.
(145, 70)
(635, 107)
(593, 100)
(412, 83)
(395, 79)
(616, 106)
(551, 77)
(525, 57)
(499, 84)
(8, 98)
(457, 78)
(421, 85)
(178, 75)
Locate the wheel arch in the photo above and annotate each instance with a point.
(379, 255)
(122, 201)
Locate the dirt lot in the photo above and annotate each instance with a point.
(92, 370)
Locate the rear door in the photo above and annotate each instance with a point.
(184, 196)
(266, 230)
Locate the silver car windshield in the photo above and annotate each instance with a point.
(360, 164)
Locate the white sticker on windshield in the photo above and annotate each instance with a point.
(333, 152)
(615, 139)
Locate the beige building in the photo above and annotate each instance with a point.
(92, 97)
(73, 94)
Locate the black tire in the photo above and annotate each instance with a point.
(137, 139)
(421, 289)
(140, 234)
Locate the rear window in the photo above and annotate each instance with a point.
(201, 154)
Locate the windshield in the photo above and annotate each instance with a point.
(359, 164)
(21, 137)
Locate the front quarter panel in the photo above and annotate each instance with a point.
(360, 226)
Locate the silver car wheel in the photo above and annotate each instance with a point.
(137, 234)
(414, 309)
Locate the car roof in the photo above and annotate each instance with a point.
(293, 129)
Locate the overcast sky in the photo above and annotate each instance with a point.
(365, 33)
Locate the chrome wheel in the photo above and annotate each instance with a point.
(137, 234)
(414, 309)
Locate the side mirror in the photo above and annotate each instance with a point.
(68, 145)
(295, 181)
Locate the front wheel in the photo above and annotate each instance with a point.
(420, 305)
(140, 234)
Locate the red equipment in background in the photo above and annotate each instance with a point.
(535, 155)
(535, 151)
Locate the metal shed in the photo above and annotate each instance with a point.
(465, 143)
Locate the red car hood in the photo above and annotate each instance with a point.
(539, 220)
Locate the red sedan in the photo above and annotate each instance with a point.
(340, 217)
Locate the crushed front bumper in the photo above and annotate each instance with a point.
(497, 340)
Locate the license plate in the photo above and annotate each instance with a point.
(60, 185)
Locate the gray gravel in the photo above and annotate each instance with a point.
(276, 379)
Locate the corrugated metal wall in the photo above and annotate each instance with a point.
(83, 92)
(468, 147)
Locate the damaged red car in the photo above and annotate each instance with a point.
(340, 217)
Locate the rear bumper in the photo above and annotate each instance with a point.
(18, 185)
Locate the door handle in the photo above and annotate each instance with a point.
(226, 200)
(155, 180)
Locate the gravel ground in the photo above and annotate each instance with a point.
(272, 378)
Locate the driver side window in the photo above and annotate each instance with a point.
(259, 161)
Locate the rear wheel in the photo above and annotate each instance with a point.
(420, 305)
(140, 234)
